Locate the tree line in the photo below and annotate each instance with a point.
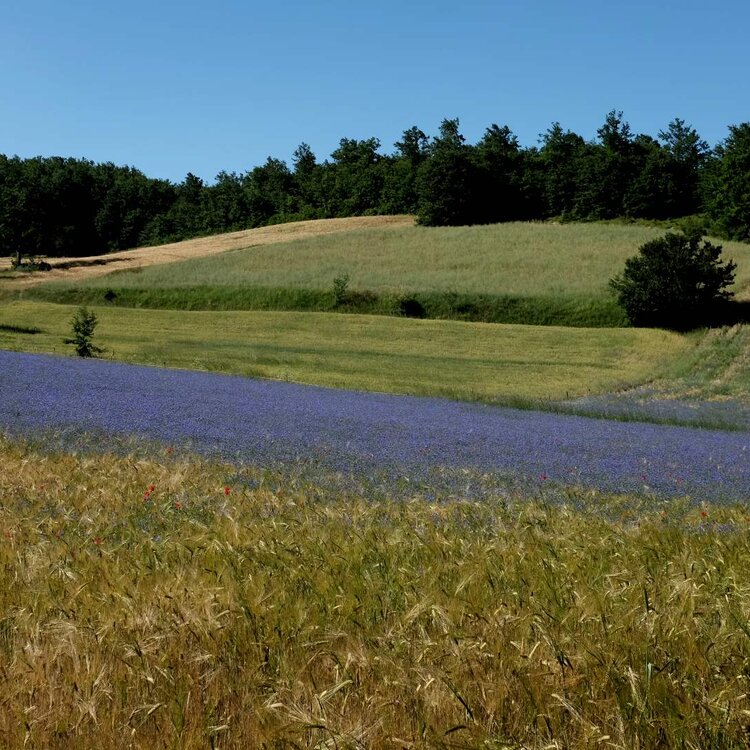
(62, 206)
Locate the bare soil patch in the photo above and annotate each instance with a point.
(74, 269)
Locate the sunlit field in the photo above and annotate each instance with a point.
(520, 259)
(494, 363)
(152, 600)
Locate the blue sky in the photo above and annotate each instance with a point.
(172, 87)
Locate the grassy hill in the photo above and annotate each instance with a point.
(257, 311)
(515, 273)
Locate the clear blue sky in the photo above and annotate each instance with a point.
(172, 87)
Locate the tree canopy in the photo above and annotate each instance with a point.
(62, 206)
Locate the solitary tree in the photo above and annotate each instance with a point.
(675, 282)
(83, 325)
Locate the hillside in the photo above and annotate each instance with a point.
(518, 272)
(79, 269)
(259, 303)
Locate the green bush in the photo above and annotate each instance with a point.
(677, 281)
(341, 290)
(83, 325)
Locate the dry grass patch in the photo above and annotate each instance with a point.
(78, 269)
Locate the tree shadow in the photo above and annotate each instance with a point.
(732, 313)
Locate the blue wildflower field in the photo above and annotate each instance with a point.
(426, 443)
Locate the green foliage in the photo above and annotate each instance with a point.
(727, 185)
(674, 282)
(83, 324)
(560, 158)
(340, 289)
(55, 206)
(687, 154)
(447, 182)
(578, 311)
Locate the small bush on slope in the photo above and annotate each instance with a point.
(674, 282)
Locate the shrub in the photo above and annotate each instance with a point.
(83, 325)
(31, 264)
(675, 282)
(340, 289)
(410, 307)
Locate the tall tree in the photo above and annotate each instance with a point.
(355, 179)
(648, 192)
(447, 181)
(560, 156)
(606, 170)
(500, 168)
(270, 192)
(307, 176)
(16, 228)
(400, 176)
(687, 156)
(727, 185)
(228, 204)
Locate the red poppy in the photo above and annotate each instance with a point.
(227, 490)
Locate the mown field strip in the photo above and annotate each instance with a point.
(471, 361)
(263, 423)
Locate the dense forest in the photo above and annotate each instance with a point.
(63, 206)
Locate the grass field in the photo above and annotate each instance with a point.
(494, 363)
(540, 274)
(151, 600)
(717, 368)
(517, 259)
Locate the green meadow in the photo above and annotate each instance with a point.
(526, 273)
(472, 361)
